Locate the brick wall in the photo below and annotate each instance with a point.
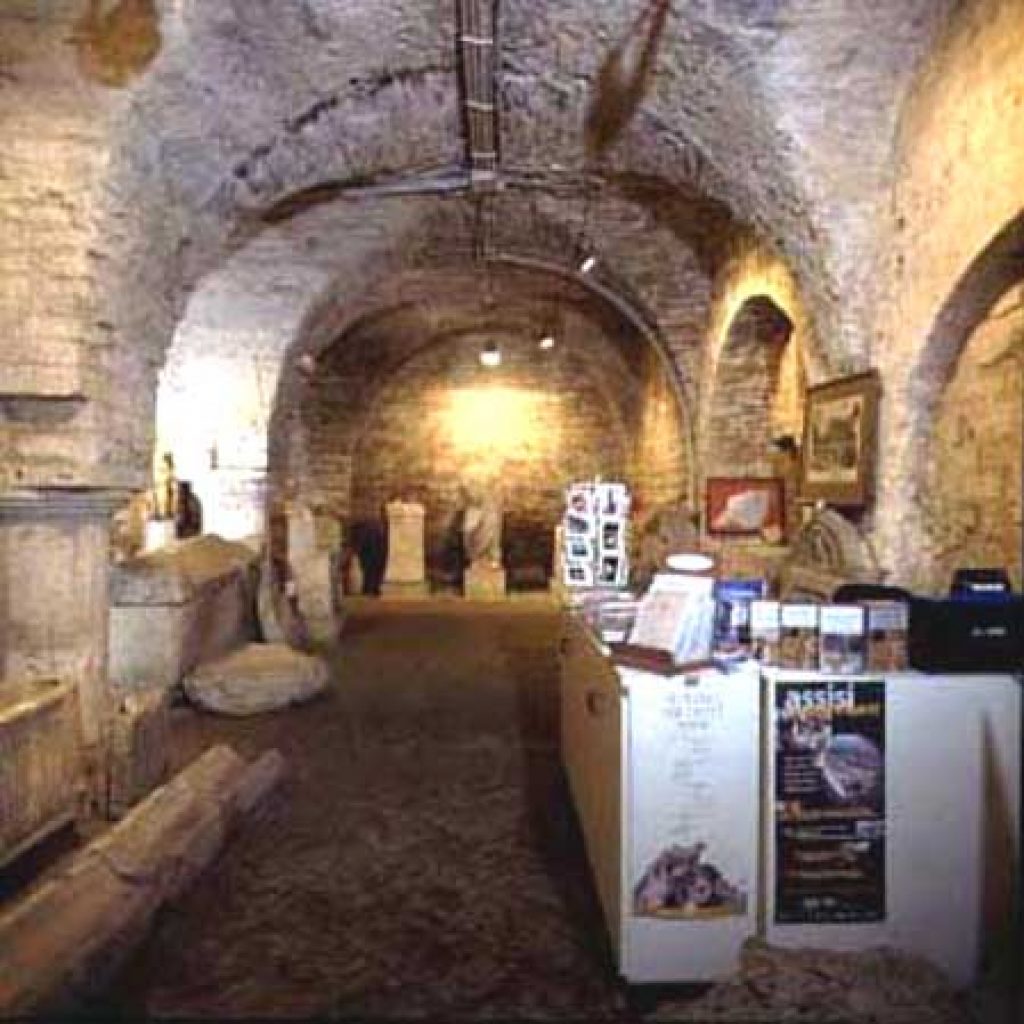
(661, 464)
(533, 425)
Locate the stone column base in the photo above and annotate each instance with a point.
(405, 591)
(482, 583)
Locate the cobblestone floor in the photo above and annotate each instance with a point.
(422, 860)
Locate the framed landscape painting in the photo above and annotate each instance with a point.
(840, 427)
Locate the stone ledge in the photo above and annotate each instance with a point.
(177, 574)
(66, 940)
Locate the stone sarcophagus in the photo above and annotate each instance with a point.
(39, 761)
(174, 608)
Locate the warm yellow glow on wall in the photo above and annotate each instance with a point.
(495, 421)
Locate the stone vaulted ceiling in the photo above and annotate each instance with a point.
(760, 104)
(182, 130)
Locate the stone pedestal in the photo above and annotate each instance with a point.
(406, 570)
(54, 603)
(316, 592)
(484, 583)
(312, 557)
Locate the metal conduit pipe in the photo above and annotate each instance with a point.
(477, 49)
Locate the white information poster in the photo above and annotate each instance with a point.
(692, 865)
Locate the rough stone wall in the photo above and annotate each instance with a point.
(661, 463)
(143, 148)
(64, 390)
(960, 164)
(971, 498)
(741, 421)
(753, 385)
(529, 427)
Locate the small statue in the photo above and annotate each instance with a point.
(481, 529)
(165, 490)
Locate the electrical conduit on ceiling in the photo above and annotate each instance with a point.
(477, 20)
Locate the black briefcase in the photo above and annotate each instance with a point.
(956, 635)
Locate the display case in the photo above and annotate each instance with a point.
(947, 819)
(675, 781)
(663, 773)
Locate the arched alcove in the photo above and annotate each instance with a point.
(967, 421)
(400, 406)
(755, 392)
(755, 395)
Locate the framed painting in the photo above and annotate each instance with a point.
(745, 506)
(840, 427)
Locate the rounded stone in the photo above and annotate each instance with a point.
(255, 679)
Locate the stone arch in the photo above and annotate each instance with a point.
(397, 251)
(959, 161)
(746, 391)
(619, 377)
(953, 355)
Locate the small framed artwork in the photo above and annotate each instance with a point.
(578, 549)
(579, 574)
(840, 427)
(612, 570)
(580, 501)
(612, 500)
(613, 535)
(577, 525)
(746, 506)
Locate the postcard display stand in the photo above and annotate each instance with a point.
(594, 535)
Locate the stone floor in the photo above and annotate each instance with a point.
(422, 861)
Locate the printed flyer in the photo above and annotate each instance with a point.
(829, 801)
(694, 799)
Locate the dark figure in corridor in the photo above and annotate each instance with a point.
(188, 512)
(368, 540)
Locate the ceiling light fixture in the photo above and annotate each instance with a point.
(588, 264)
(490, 355)
(546, 343)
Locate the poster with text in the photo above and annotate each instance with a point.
(829, 801)
(694, 798)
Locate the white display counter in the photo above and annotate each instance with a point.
(659, 764)
(952, 825)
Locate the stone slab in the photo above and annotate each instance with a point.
(406, 559)
(255, 679)
(138, 749)
(482, 583)
(177, 573)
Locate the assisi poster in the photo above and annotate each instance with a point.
(829, 801)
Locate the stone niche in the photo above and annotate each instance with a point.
(178, 607)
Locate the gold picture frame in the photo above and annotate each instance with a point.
(837, 461)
